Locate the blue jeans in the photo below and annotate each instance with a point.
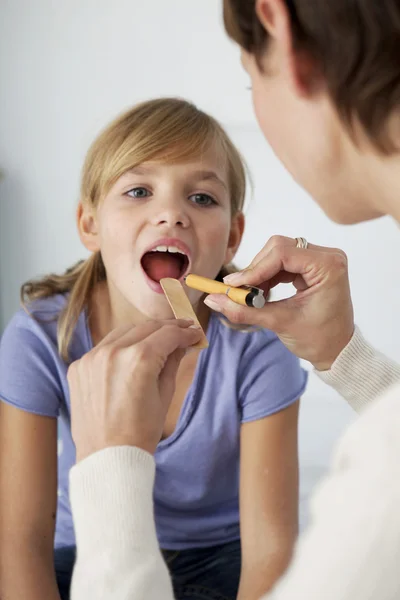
(198, 574)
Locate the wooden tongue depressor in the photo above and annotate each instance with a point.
(181, 307)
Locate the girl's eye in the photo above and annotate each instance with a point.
(139, 192)
(202, 199)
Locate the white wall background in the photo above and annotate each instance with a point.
(67, 68)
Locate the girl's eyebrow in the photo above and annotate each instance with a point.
(201, 175)
(209, 176)
(140, 170)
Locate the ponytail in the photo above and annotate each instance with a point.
(78, 281)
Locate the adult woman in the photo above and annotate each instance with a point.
(332, 68)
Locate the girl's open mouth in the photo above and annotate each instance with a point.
(164, 261)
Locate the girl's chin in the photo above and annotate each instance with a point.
(155, 309)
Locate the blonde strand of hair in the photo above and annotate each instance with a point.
(77, 281)
(88, 276)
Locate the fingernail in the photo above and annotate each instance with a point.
(213, 305)
(232, 278)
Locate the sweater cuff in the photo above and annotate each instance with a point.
(111, 494)
(360, 373)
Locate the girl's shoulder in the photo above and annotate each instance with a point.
(38, 319)
(45, 308)
(34, 328)
(32, 371)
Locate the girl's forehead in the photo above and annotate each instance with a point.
(210, 153)
(208, 166)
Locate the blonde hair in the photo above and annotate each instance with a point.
(167, 129)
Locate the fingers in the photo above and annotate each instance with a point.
(307, 263)
(283, 277)
(236, 313)
(273, 316)
(136, 340)
(278, 241)
(172, 329)
(274, 242)
(130, 334)
(144, 350)
(154, 350)
(275, 246)
(277, 260)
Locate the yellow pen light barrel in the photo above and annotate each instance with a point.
(240, 295)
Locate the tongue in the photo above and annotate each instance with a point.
(162, 264)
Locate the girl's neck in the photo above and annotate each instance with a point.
(104, 317)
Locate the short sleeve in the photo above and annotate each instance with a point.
(270, 378)
(29, 378)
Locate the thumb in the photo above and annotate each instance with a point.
(273, 316)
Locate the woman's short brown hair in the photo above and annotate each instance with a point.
(357, 46)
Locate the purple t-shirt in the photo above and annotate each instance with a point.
(242, 376)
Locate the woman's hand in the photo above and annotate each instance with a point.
(121, 390)
(317, 322)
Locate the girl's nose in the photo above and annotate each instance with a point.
(171, 214)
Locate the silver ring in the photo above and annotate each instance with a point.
(301, 243)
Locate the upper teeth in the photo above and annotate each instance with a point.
(172, 249)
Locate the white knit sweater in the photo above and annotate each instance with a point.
(351, 550)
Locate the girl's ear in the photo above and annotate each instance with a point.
(235, 236)
(87, 227)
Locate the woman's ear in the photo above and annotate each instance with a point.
(299, 68)
(235, 236)
(87, 227)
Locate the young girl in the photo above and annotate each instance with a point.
(162, 194)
